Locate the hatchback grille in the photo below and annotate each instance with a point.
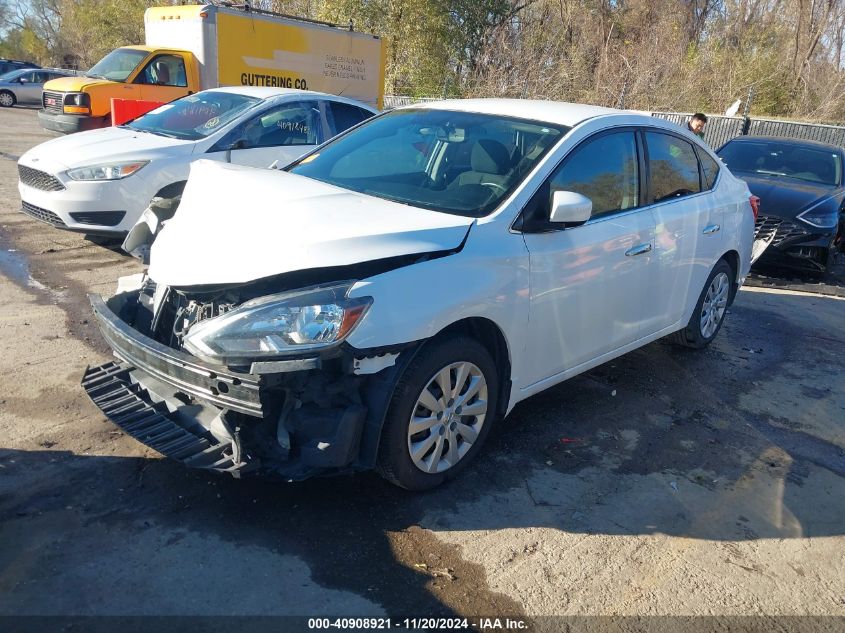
(52, 101)
(42, 214)
(39, 179)
(782, 229)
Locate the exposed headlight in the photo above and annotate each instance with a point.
(822, 215)
(279, 325)
(107, 171)
(77, 103)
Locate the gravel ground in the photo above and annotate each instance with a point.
(664, 483)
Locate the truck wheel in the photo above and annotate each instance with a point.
(7, 99)
(440, 414)
(710, 310)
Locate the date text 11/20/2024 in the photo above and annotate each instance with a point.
(443, 624)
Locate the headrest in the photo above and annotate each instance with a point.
(490, 157)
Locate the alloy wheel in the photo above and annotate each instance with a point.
(6, 100)
(448, 417)
(715, 303)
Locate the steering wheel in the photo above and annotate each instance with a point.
(494, 186)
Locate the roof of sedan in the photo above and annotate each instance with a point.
(785, 140)
(557, 112)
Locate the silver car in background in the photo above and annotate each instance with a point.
(24, 85)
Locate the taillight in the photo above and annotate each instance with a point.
(755, 206)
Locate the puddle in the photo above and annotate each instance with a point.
(14, 265)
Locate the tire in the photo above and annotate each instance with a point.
(702, 327)
(7, 99)
(455, 441)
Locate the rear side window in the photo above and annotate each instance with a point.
(605, 170)
(345, 116)
(709, 169)
(673, 167)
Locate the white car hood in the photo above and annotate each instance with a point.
(238, 224)
(106, 144)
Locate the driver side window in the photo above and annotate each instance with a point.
(164, 70)
(673, 167)
(291, 123)
(605, 170)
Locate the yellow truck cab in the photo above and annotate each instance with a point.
(143, 73)
(195, 47)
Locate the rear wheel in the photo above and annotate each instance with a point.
(710, 310)
(7, 99)
(440, 414)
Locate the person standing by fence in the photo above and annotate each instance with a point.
(696, 124)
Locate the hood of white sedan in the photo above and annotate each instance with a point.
(110, 144)
(238, 224)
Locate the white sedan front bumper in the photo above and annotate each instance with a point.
(96, 207)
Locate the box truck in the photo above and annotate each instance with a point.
(195, 47)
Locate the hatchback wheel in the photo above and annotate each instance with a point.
(7, 99)
(441, 412)
(709, 313)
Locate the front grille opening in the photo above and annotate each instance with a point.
(99, 218)
(783, 230)
(52, 101)
(39, 179)
(42, 214)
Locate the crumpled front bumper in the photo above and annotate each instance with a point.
(130, 406)
(209, 416)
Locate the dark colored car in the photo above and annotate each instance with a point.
(800, 186)
(7, 65)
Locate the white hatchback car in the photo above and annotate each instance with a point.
(100, 181)
(389, 297)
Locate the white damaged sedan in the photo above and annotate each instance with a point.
(388, 298)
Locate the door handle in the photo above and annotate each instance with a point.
(638, 250)
(708, 230)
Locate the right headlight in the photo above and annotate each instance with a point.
(107, 171)
(278, 325)
(822, 215)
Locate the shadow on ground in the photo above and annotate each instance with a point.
(660, 441)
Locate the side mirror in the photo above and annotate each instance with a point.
(23, 80)
(570, 207)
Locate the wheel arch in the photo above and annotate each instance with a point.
(379, 389)
(172, 190)
(491, 336)
(732, 259)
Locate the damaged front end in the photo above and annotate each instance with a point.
(242, 402)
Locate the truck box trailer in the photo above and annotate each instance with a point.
(195, 47)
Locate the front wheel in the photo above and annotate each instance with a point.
(7, 99)
(709, 313)
(440, 414)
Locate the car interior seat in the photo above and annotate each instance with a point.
(162, 72)
(490, 163)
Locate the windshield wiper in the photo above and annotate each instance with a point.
(156, 133)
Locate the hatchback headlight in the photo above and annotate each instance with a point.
(279, 325)
(107, 171)
(822, 215)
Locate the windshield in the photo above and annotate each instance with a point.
(455, 162)
(195, 116)
(781, 159)
(117, 65)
